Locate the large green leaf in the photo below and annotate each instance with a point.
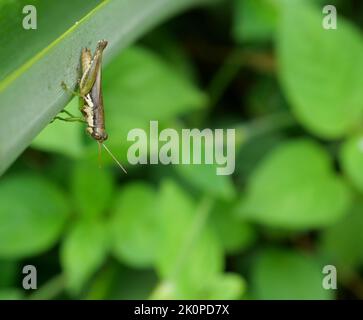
(253, 151)
(228, 286)
(233, 234)
(31, 94)
(133, 225)
(32, 215)
(92, 189)
(147, 87)
(205, 179)
(321, 70)
(49, 27)
(189, 254)
(295, 187)
(281, 274)
(83, 251)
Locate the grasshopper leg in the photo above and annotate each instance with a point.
(69, 119)
(68, 113)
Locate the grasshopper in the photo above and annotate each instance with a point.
(91, 99)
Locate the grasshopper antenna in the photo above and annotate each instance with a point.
(99, 155)
(114, 158)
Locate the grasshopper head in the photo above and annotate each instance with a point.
(98, 134)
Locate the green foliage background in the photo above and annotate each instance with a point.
(294, 93)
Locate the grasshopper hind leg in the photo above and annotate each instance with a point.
(70, 118)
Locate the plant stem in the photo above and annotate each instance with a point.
(199, 222)
(224, 76)
(164, 289)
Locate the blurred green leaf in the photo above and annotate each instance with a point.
(92, 189)
(32, 215)
(205, 179)
(287, 275)
(133, 225)
(254, 20)
(167, 45)
(148, 86)
(228, 286)
(123, 283)
(295, 187)
(11, 294)
(321, 70)
(265, 98)
(233, 234)
(8, 273)
(352, 160)
(253, 151)
(83, 251)
(341, 243)
(189, 253)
